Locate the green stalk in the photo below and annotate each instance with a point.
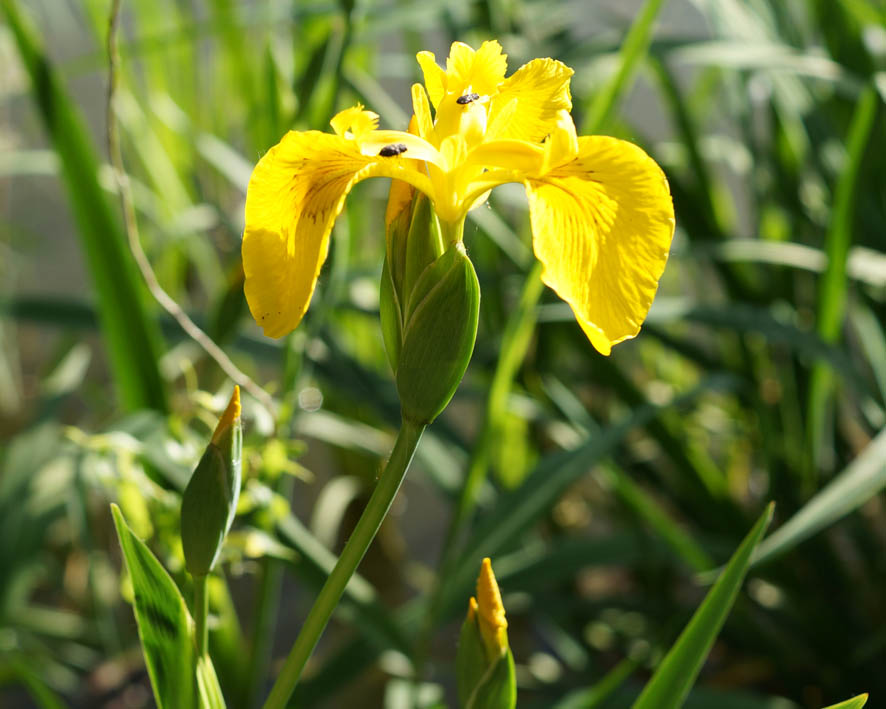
(201, 611)
(379, 503)
(832, 291)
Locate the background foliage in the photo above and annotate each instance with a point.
(604, 485)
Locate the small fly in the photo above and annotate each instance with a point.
(467, 98)
(392, 150)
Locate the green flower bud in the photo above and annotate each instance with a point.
(429, 304)
(210, 499)
(439, 329)
(484, 663)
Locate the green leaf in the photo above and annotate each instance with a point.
(131, 337)
(207, 685)
(470, 660)
(674, 677)
(854, 703)
(833, 288)
(633, 51)
(863, 478)
(519, 510)
(165, 629)
(498, 687)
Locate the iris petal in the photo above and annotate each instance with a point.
(482, 71)
(602, 226)
(541, 89)
(295, 193)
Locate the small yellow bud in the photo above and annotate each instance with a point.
(491, 611)
(484, 663)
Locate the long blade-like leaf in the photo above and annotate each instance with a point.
(832, 296)
(165, 629)
(854, 703)
(674, 677)
(131, 337)
(863, 478)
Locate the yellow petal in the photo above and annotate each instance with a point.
(399, 201)
(295, 193)
(602, 226)
(433, 74)
(481, 71)
(375, 142)
(422, 112)
(541, 89)
(512, 154)
(355, 120)
(561, 145)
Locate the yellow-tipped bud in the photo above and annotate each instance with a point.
(210, 499)
(472, 611)
(231, 414)
(484, 663)
(490, 611)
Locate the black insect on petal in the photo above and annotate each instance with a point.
(467, 98)
(392, 150)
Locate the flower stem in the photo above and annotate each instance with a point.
(371, 519)
(201, 610)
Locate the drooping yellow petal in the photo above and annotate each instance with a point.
(541, 89)
(602, 226)
(294, 195)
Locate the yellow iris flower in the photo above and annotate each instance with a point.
(600, 208)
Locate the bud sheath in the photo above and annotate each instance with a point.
(210, 499)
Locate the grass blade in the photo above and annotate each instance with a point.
(854, 703)
(674, 677)
(832, 296)
(633, 50)
(131, 337)
(164, 626)
(863, 478)
(517, 511)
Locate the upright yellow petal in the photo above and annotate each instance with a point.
(424, 124)
(295, 193)
(482, 70)
(541, 89)
(434, 76)
(355, 120)
(602, 226)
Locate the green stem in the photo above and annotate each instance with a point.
(371, 519)
(201, 610)
(515, 342)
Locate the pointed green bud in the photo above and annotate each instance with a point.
(429, 305)
(439, 328)
(484, 663)
(210, 499)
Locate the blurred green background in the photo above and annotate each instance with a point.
(606, 485)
